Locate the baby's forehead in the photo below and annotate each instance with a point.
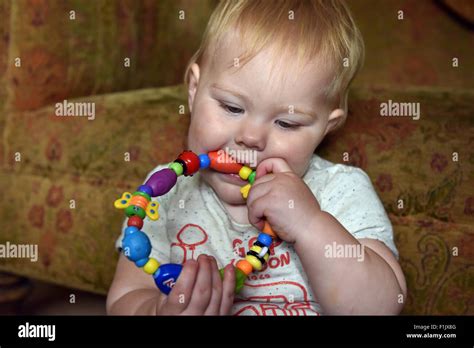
(275, 72)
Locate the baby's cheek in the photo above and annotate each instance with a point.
(204, 134)
(299, 161)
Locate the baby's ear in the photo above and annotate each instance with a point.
(193, 84)
(336, 119)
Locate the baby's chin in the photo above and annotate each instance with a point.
(225, 188)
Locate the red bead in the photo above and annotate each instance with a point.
(191, 162)
(135, 221)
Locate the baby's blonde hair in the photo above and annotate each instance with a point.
(304, 27)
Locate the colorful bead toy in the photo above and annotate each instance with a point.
(136, 245)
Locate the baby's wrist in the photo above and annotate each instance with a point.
(310, 229)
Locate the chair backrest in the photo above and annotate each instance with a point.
(58, 50)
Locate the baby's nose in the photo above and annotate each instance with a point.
(249, 138)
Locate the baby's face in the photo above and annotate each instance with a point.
(258, 115)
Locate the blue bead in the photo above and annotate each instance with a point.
(265, 239)
(136, 246)
(204, 161)
(145, 189)
(166, 276)
(142, 262)
(130, 229)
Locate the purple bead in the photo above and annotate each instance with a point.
(162, 181)
(145, 189)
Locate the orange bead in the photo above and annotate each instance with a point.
(140, 201)
(244, 266)
(222, 162)
(268, 230)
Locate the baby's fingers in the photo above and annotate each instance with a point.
(216, 296)
(180, 296)
(202, 291)
(228, 288)
(272, 165)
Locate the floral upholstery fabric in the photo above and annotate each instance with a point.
(78, 48)
(423, 172)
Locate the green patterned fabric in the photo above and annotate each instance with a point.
(76, 47)
(423, 172)
(4, 39)
(84, 161)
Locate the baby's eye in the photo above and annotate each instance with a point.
(286, 125)
(231, 109)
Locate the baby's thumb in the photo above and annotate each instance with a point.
(272, 165)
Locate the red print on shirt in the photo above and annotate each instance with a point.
(189, 237)
(272, 298)
(282, 300)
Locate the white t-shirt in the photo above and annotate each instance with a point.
(194, 221)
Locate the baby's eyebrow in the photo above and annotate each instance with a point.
(297, 110)
(237, 94)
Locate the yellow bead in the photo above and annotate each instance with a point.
(244, 172)
(256, 248)
(244, 190)
(151, 266)
(256, 264)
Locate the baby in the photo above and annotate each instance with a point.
(269, 81)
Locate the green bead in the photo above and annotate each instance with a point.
(239, 278)
(143, 194)
(132, 210)
(177, 168)
(251, 177)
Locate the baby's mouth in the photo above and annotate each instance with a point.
(244, 164)
(223, 157)
(229, 168)
(233, 179)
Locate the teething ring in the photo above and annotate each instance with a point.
(137, 246)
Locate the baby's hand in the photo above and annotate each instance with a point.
(282, 198)
(200, 290)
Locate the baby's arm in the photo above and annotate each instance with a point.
(198, 291)
(345, 285)
(132, 291)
